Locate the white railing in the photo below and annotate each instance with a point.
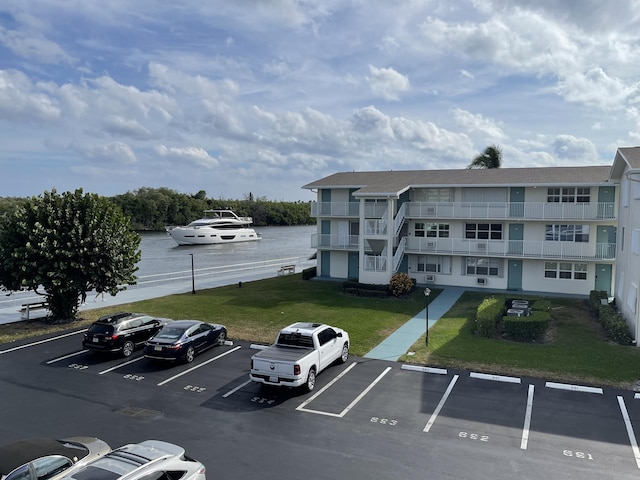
(399, 220)
(375, 263)
(512, 210)
(375, 227)
(512, 248)
(375, 210)
(335, 209)
(335, 241)
(399, 253)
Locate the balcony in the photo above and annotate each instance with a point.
(334, 241)
(511, 248)
(348, 209)
(335, 209)
(512, 211)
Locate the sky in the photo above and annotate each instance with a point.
(262, 97)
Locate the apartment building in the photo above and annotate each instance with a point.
(626, 172)
(534, 229)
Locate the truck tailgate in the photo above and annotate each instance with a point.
(279, 360)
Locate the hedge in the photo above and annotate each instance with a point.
(526, 328)
(488, 315)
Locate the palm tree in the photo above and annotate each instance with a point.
(490, 158)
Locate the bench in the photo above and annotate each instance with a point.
(287, 269)
(27, 308)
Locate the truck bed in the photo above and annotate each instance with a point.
(277, 353)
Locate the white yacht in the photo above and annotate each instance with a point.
(217, 226)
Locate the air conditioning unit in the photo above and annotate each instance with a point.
(431, 210)
(431, 245)
(429, 278)
(482, 247)
(481, 281)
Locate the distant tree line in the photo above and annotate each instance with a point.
(154, 208)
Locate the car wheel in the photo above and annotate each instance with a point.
(311, 380)
(222, 337)
(127, 349)
(345, 353)
(190, 355)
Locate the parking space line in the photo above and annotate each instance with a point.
(436, 412)
(495, 378)
(198, 366)
(573, 388)
(630, 433)
(527, 419)
(41, 342)
(326, 387)
(66, 356)
(348, 407)
(121, 365)
(231, 392)
(416, 368)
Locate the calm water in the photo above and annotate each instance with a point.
(163, 261)
(161, 254)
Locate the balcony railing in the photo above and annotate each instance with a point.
(335, 209)
(375, 263)
(512, 210)
(512, 248)
(335, 241)
(375, 227)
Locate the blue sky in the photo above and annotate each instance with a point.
(262, 97)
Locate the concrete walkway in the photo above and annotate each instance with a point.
(397, 344)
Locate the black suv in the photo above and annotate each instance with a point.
(121, 332)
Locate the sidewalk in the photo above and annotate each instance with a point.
(397, 344)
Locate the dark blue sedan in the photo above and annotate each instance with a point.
(184, 339)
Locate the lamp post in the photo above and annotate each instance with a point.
(193, 278)
(427, 292)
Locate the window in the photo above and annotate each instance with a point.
(483, 231)
(565, 270)
(569, 195)
(418, 230)
(325, 336)
(567, 233)
(433, 264)
(483, 266)
(437, 230)
(433, 195)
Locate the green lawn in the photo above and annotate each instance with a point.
(575, 350)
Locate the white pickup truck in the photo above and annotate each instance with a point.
(301, 351)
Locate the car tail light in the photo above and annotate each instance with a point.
(252, 364)
(202, 470)
(296, 369)
(111, 337)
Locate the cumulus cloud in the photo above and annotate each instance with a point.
(117, 125)
(488, 130)
(115, 152)
(34, 48)
(597, 89)
(195, 155)
(21, 100)
(387, 83)
(574, 150)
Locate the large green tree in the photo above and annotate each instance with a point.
(62, 246)
(490, 158)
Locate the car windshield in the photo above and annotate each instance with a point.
(170, 333)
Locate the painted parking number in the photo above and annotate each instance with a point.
(474, 436)
(579, 455)
(384, 421)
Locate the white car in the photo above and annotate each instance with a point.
(148, 460)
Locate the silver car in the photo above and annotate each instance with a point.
(148, 460)
(38, 458)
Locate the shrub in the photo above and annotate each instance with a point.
(614, 325)
(309, 273)
(401, 283)
(595, 297)
(541, 305)
(487, 316)
(526, 328)
(351, 287)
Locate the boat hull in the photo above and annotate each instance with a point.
(212, 236)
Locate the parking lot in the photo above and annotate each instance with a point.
(365, 419)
